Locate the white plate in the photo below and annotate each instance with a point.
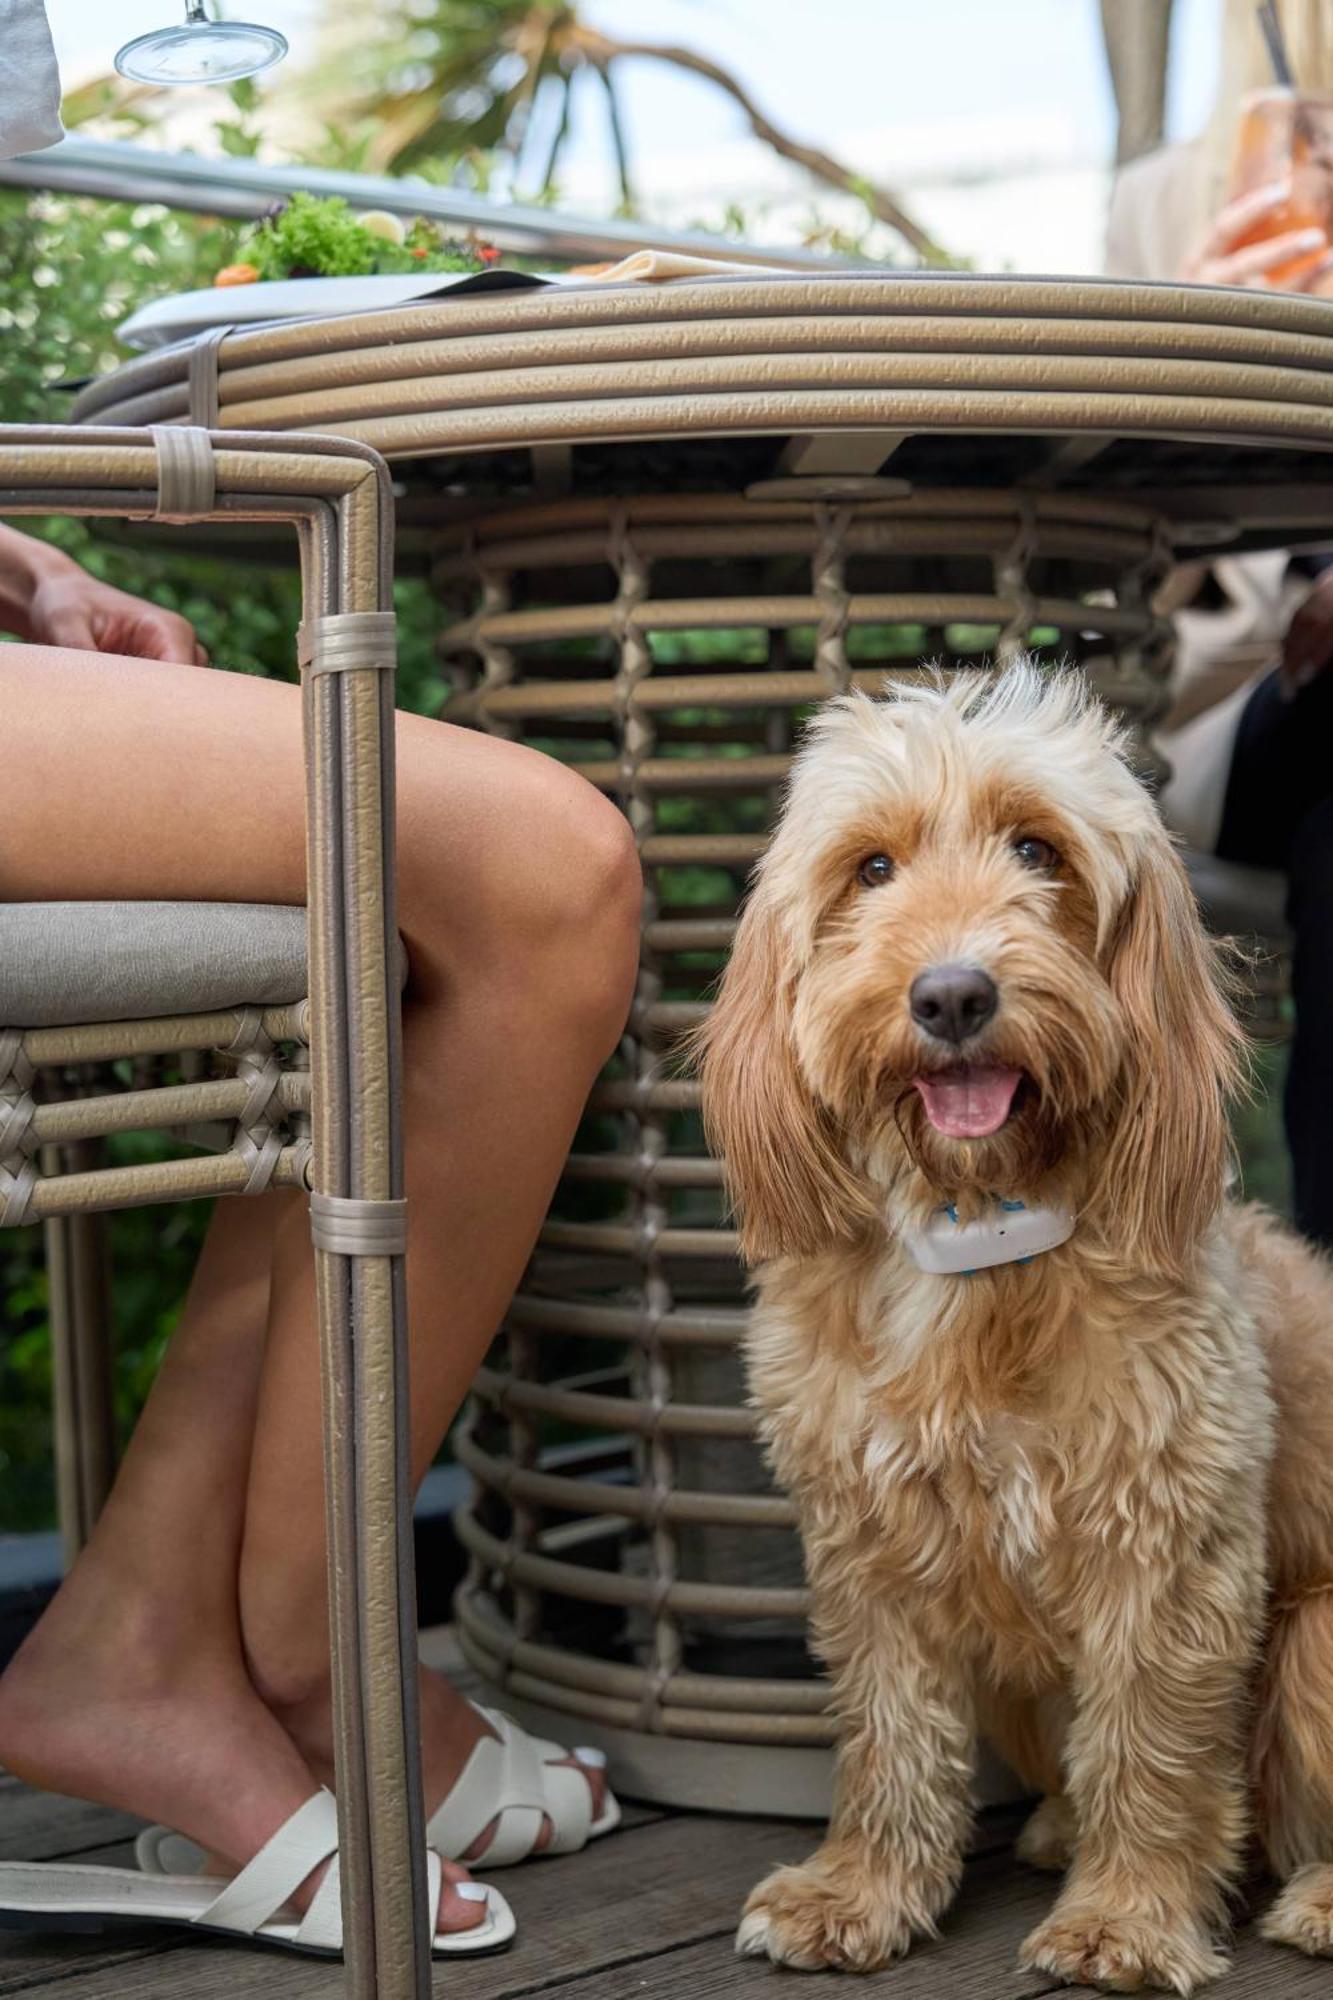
(185, 314)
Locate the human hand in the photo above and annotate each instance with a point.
(1307, 649)
(1223, 259)
(68, 607)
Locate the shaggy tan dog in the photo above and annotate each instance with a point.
(1084, 1504)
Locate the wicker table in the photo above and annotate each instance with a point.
(665, 521)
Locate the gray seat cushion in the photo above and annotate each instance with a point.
(66, 963)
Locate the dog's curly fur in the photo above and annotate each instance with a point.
(1085, 1506)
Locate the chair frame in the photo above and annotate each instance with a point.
(337, 496)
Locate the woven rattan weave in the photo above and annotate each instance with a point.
(664, 522)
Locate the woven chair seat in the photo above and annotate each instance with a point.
(66, 963)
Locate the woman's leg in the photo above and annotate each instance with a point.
(520, 999)
(518, 898)
(141, 1647)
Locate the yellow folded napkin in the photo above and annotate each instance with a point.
(650, 266)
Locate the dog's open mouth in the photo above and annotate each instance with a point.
(968, 1102)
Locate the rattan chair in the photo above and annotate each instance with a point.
(280, 1064)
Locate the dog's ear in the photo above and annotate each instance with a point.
(792, 1189)
(1167, 1147)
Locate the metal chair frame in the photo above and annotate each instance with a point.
(337, 496)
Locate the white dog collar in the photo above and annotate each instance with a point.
(1010, 1233)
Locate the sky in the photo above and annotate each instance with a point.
(933, 97)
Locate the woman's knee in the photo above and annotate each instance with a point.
(513, 866)
(581, 915)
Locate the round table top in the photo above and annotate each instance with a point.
(1214, 407)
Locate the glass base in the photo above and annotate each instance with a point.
(201, 52)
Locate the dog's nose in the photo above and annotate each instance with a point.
(952, 1002)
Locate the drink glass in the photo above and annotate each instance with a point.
(1284, 136)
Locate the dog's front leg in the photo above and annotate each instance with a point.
(1155, 1776)
(891, 1861)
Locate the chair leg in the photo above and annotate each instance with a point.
(78, 1277)
(359, 1231)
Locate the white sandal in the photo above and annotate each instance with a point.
(512, 1778)
(66, 1896)
(518, 1780)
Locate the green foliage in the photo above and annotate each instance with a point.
(320, 236)
(70, 271)
(241, 136)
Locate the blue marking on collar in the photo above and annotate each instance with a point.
(1010, 1233)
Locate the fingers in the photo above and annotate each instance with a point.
(1316, 279)
(1239, 217)
(164, 635)
(1252, 265)
(88, 616)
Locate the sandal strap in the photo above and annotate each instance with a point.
(569, 1804)
(322, 1924)
(252, 1898)
(566, 1793)
(500, 1781)
(508, 1779)
(434, 1889)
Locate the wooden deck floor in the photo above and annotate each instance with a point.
(647, 1914)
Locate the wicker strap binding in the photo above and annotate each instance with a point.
(185, 475)
(18, 1171)
(202, 375)
(358, 1228)
(346, 641)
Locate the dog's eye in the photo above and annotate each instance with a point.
(875, 870)
(1036, 854)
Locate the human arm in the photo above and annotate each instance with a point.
(47, 598)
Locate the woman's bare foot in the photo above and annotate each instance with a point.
(111, 1700)
(450, 1728)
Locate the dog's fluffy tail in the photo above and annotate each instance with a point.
(1293, 1740)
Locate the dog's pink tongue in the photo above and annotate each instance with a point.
(969, 1102)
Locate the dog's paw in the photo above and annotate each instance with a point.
(1303, 1914)
(1123, 1953)
(1047, 1837)
(812, 1919)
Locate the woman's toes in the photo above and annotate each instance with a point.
(462, 1904)
(593, 1764)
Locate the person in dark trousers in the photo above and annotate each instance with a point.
(1277, 812)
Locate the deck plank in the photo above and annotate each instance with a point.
(647, 1915)
(31, 1959)
(1263, 1971)
(42, 1826)
(997, 1905)
(666, 1884)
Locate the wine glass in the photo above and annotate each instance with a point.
(202, 51)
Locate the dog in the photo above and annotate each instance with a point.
(1056, 1414)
